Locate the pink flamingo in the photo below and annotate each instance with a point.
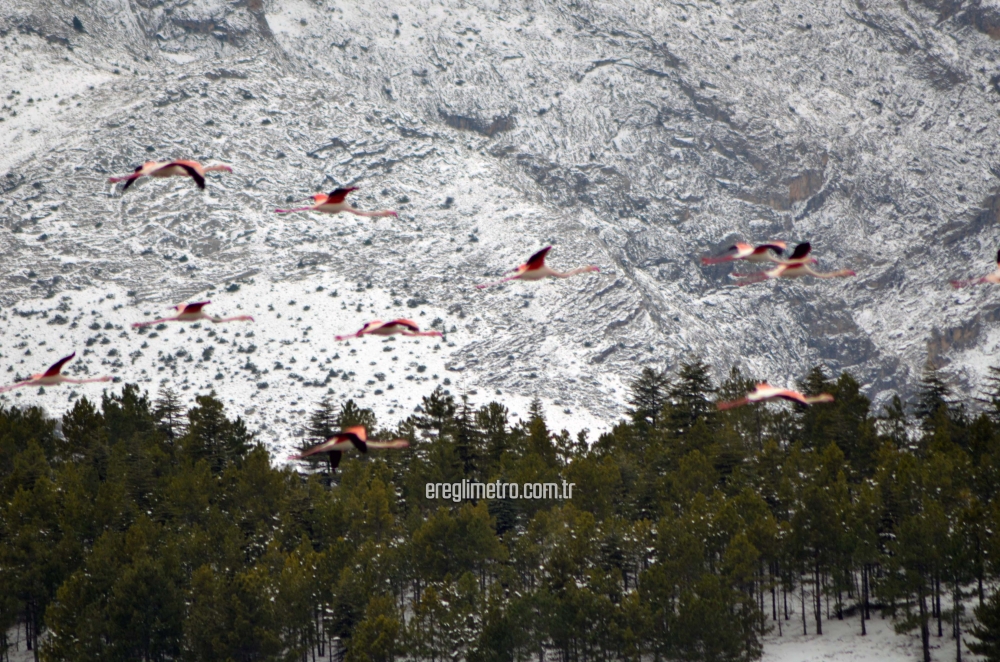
(380, 328)
(52, 377)
(352, 437)
(800, 255)
(765, 392)
(191, 169)
(988, 278)
(741, 251)
(336, 202)
(536, 269)
(192, 312)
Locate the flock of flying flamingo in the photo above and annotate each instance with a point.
(796, 265)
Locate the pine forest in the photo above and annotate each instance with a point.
(139, 529)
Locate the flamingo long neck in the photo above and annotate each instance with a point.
(830, 274)
(237, 318)
(497, 282)
(359, 212)
(717, 260)
(759, 276)
(218, 168)
(581, 270)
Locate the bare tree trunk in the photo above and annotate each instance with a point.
(925, 633)
(802, 585)
(867, 578)
(819, 601)
(957, 617)
(826, 594)
(774, 593)
(937, 599)
(784, 597)
(864, 598)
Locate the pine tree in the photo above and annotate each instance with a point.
(691, 396)
(991, 397)
(323, 422)
(438, 412)
(816, 382)
(213, 437)
(376, 637)
(648, 393)
(934, 396)
(351, 414)
(893, 423)
(468, 439)
(987, 630)
(491, 420)
(168, 412)
(539, 442)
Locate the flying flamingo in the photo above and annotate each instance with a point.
(800, 255)
(741, 251)
(765, 392)
(192, 312)
(988, 278)
(192, 169)
(52, 377)
(352, 437)
(536, 269)
(336, 202)
(380, 328)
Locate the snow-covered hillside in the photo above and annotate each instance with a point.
(637, 137)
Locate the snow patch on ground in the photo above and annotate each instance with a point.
(273, 371)
(842, 640)
(56, 87)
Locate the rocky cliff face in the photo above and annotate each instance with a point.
(635, 137)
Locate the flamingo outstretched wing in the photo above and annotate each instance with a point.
(198, 178)
(800, 251)
(734, 252)
(777, 246)
(537, 260)
(192, 307)
(57, 366)
(409, 324)
(339, 194)
(356, 435)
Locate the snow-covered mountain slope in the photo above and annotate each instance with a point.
(637, 137)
